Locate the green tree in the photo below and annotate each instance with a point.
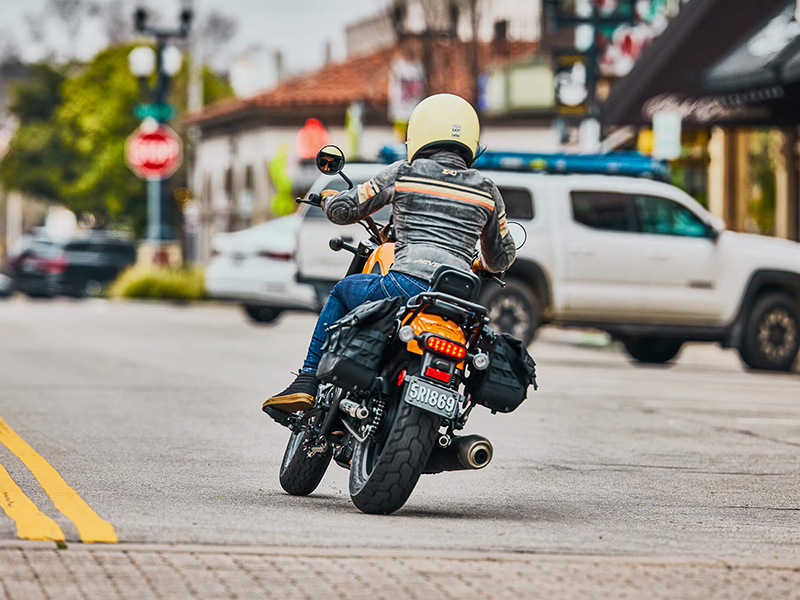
(70, 146)
(38, 160)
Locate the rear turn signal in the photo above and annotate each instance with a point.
(446, 347)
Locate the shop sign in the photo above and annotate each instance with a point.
(666, 135)
(570, 84)
(406, 89)
(697, 110)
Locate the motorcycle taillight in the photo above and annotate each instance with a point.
(446, 347)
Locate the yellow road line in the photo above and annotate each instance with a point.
(32, 524)
(89, 525)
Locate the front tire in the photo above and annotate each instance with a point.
(261, 314)
(514, 309)
(385, 470)
(772, 336)
(653, 351)
(300, 475)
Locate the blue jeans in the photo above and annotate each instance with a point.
(353, 291)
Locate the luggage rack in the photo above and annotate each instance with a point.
(631, 164)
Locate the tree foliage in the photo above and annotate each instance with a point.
(73, 123)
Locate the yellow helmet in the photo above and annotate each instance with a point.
(443, 119)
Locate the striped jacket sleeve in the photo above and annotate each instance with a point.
(363, 200)
(498, 250)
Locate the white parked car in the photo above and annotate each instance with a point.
(285, 263)
(637, 258)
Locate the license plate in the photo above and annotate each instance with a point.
(431, 397)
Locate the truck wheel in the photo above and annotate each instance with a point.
(262, 314)
(772, 335)
(514, 309)
(655, 351)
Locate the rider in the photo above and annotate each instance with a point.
(441, 208)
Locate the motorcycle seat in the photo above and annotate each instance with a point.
(454, 282)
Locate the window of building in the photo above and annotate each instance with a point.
(519, 203)
(608, 211)
(667, 217)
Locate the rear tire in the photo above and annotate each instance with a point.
(262, 314)
(514, 309)
(300, 475)
(383, 475)
(654, 351)
(772, 334)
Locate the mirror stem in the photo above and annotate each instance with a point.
(346, 179)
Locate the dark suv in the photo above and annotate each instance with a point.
(76, 267)
(94, 262)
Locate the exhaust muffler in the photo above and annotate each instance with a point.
(464, 453)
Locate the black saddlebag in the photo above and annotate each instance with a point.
(355, 344)
(504, 384)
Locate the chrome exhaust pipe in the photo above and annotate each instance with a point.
(474, 451)
(354, 409)
(462, 454)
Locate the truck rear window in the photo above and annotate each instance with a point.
(609, 211)
(519, 203)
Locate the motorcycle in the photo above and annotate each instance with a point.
(403, 422)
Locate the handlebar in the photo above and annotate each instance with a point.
(312, 200)
(497, 278)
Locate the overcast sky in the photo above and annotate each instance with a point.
(299, 28)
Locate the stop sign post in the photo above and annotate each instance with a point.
(154, 152)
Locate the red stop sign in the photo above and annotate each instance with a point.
(154, 153)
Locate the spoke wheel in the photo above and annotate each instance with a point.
(772, 336)
(514, 309)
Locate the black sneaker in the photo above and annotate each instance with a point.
(299, 396)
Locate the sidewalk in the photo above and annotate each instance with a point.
(31, 571)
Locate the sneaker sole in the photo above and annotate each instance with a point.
(290, 404)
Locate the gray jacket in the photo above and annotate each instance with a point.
(441, 209)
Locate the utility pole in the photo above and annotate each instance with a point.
(167, 62)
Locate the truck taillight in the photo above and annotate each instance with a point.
(446, 347)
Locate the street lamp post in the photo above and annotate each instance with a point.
(165, 60)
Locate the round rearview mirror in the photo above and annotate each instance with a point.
(519, 234)
(330, 160)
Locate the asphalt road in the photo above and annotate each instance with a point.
(152, 414)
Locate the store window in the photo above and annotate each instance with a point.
(607, 211)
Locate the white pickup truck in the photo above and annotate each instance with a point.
(643, 261)
(637, 258)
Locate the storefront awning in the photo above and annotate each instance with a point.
(718, 62)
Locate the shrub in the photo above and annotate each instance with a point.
(158, 283)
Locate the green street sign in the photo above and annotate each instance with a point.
(160, 111)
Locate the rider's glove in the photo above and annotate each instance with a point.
(325, 194)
